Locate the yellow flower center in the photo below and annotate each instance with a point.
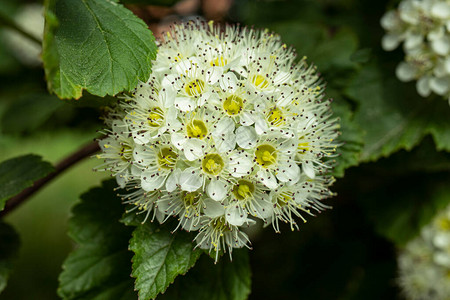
(190, 199)
(243, 189)
(219, 61)
(195, 88)
(212, 164)
(284, 198)
(233, 105)
(266, 155)
(260, 81)
(196, 129)
(220, 224)
(167, 158)
(275, 117)
(303, 147)
(125, 153)
(155, 117)
(444, 224)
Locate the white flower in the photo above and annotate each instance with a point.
(248, 197)
(423, 27)
(219, 235)
(118, 153)
(227, 122)
(424, 264)
(290, 201)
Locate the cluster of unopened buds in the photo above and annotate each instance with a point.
(229, 129)
(424, 28)
(424, 264)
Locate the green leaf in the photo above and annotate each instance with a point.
(393, 116)
(152, 2)
(361, 56)
(351, 138)
(208, 281)
(9, 246)
(400, 211)
(19, 173)
(101, 265)
(29, 112)
(97, 45)
(324, 50)
(335, 51)
(423, 158)
(160, 256)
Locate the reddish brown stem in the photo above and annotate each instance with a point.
(63, 165)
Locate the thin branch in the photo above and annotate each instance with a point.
(8, 22)
(66, 163)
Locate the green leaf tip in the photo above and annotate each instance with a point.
(160, 256)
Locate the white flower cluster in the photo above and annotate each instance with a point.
(227, 130)
(425, 262)
(424, 28)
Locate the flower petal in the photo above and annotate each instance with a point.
(173, 180)
(263, 208)
(439, 85)
(190, 179)
(213, 74)
(185, 103)
(213, 209)
(217, 190)
(423, 86)
(235, 215)
(193, 149)
(150, 181)
(246, 137)
(405, 72)
(308, 169)
(178, 140)
(390, 41)
(268, 179)
(228, 82)
(441, 46)
(239, 165)
(288, 172)
(246, 119)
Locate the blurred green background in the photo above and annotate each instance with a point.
(42, 220)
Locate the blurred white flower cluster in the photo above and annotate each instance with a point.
(423, 26)
(227, 130)
(425, 262)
